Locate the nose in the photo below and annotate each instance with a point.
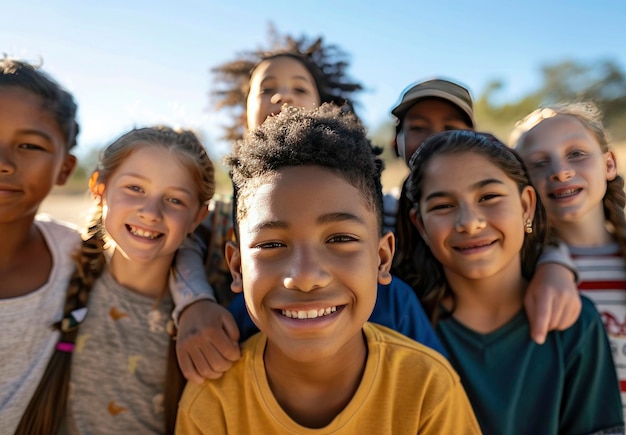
(560, 171)
(307, 270)
(150, 210)
(469, 220)
(282, 96)
(7, 164)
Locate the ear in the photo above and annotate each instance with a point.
(67, 167)
(233, 258)
(529, 202)
(611, 166)
(400, 146)
(417, 223)
(96, 188)
(394, 146)
(202, 213)
(386, 249)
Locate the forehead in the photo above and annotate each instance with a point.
(281, 67)
(23, 110)
(554, 131)
(460, 171)
(303, 194)
(435, 108)
(157, 162)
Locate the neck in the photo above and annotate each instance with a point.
(149, 279)
(313, 393)
(485, 305)
(588, 231)
(15, 237)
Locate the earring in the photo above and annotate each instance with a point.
(528, 226)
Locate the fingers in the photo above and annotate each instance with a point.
(539, 315)
(231, 329)
(200, 358)
(568, 314)
(547, 313)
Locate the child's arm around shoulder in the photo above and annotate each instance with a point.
(552, 300)
(398, 301)
(207, 339)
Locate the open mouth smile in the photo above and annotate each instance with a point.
(567, 193)
(151, 235)
(308, 314)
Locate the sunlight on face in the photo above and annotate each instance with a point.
(310, 260)
(472, 216)
(277, 81)
(150, 204)
(568, 168)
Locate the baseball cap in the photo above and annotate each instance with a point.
(436, 88)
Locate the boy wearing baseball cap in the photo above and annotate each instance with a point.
(427, 108)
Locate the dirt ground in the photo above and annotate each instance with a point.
(72, 208)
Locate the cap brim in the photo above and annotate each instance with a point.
(412, 98)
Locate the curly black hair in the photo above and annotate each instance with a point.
(326, 63)
(325, 136)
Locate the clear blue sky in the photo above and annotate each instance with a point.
(138, 62)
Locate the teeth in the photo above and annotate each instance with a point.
(309, 314)
(141, 233)
(565, 193)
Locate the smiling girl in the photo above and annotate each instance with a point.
(152, 187)
(482, 229)
(574, 170)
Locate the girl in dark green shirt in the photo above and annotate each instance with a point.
(482, 228)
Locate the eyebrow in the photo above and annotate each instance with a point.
(475, 186)
(298, 77)
(142, 177)
(39, 133)
(321, 220)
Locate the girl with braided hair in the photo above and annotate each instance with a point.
(152, 186)
(574, 170)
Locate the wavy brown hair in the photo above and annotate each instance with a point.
(47, 408)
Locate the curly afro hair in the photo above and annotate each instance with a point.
(326, 63)
(325, 136)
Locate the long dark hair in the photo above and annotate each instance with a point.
(429, 277)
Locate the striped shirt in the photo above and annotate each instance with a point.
(602, 278)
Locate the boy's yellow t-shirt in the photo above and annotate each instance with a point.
(406, 388)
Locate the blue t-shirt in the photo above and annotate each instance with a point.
(397, 307)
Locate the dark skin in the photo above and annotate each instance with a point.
(19, 252)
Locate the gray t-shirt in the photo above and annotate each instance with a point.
(119, 363)
(27, 340)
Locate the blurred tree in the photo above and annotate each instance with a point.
(602, 82)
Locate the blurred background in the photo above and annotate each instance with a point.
(138, 63)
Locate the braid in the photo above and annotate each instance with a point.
(46, 410)
(613, 202)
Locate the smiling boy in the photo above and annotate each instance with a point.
(310, 254)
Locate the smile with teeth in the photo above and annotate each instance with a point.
(564, 193)
(308, 314)
(143, 233)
